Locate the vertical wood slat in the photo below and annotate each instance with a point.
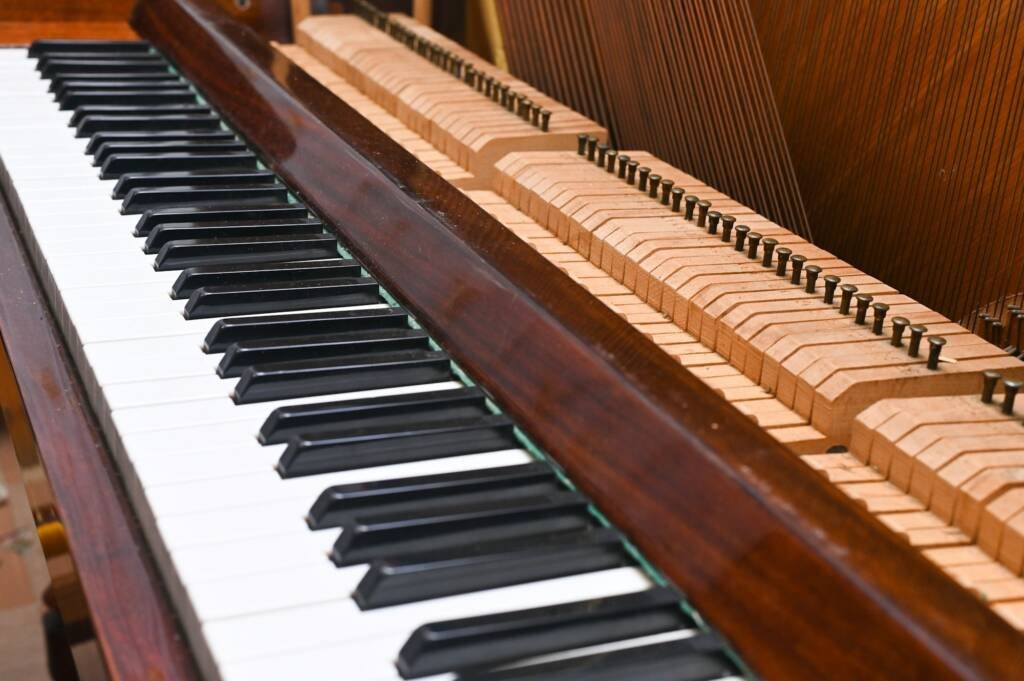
(684, 80)
(903, 121)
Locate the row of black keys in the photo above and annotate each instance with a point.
(208, 210)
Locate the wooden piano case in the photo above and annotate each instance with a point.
(803, 583)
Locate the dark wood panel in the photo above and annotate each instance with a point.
(130, 613)
(904, 124)
(24, 32)
(805, 584)
(683, 80)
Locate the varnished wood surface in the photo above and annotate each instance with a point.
(802, 583)
(904, 121)
(24, 32)
(131, 616)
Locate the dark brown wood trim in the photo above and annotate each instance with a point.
(803, 583)
(129, 609)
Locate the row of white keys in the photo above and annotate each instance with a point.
(258, 578)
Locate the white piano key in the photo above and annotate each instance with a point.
(198, 412)
(336, 622)
(238, 557)
(266, 486)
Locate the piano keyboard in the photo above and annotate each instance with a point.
(328, 495)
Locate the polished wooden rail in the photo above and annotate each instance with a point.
(130, 614)
(803, 583)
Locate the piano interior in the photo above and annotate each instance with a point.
(345, 353)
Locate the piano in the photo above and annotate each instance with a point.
(357, 358)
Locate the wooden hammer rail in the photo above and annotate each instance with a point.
(730, 277)
(465, 124)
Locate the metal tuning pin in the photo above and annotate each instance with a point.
(997, 333)
(691, 203)
(798, 268)
(753, 241)
(677, 198)
(863, 303)
(916, 333)
(702, 213)
(846, 297)
(782, 255)
(741, 236)
(713, 218)
(602, 152)
(879, 321)
(610, 165)
(831, 282)
(899, 325)
(623, 161)
(769, 251)
(527, 106)
(642, 184)
(545, 120)
(654, 181)
(666, 191)
(727, 224)
(988, 385)
(631, 172)
(1010, 389)
(581, 144)
(489, 90)
(470, 75)
(812, 278)
(591, 147)
(535, 115)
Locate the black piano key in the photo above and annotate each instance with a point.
(242, 355)
(178, 255)
(351, 448)
(101, 138)
(191, 178)
(237, 329)
(347, 374)
(490, 566)
(133, 57)
(141, 199)
(229, 229)
(98, 123)
(391, 536)
(699, 658)
(339, 505)
(70, 68)
(136, 110)
(75, 99)
(160, 216)
(141, 81)
(41, 47)
(282, 296)
(372, 412)
(490, 640)
(121, 164)
(148, 144)
(307, 270)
